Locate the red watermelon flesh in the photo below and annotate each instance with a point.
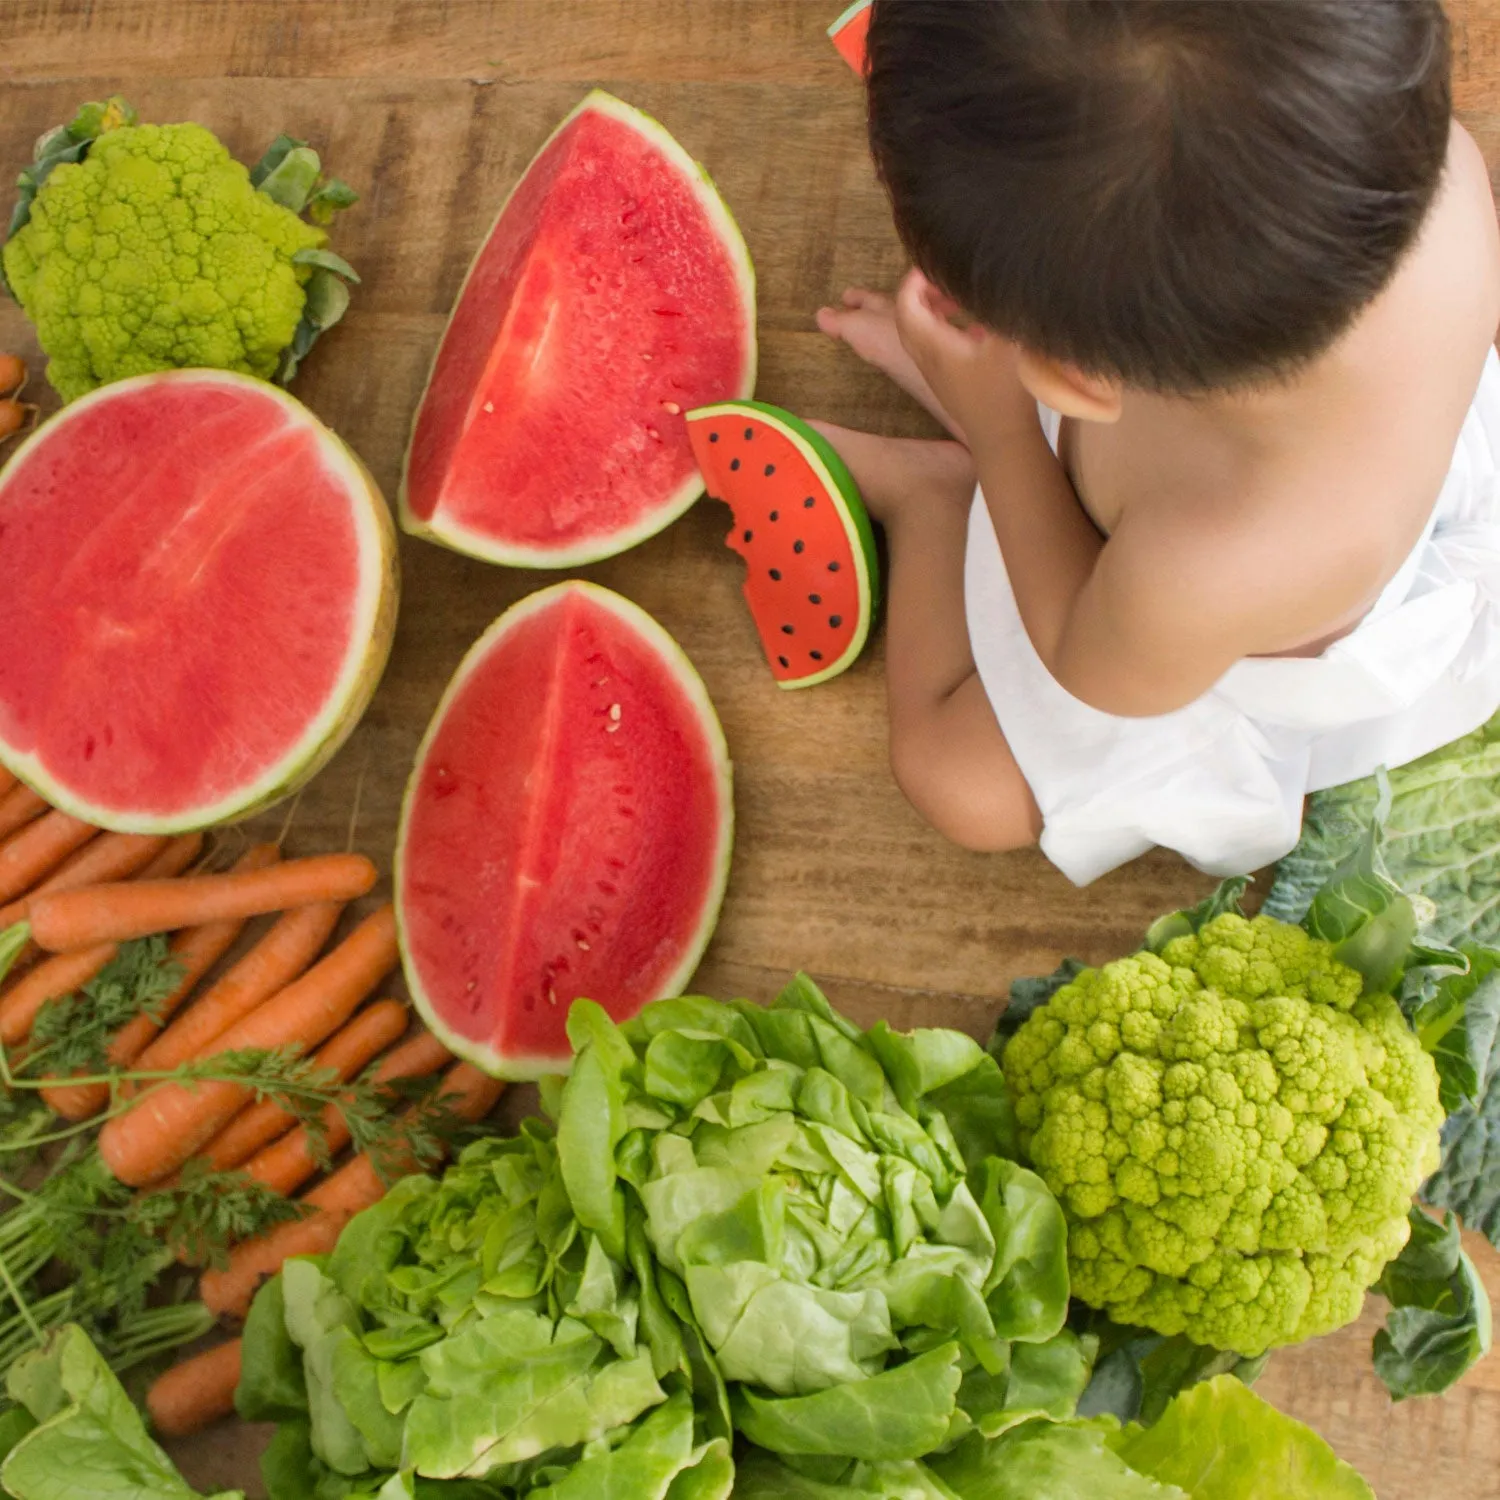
(613, 293)
(566, 830)
(197, 587)
(811, 576)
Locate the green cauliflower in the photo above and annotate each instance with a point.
(155, 252)
(1234, 1131)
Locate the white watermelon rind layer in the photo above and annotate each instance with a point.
(837, 482)
(449, 533)
(527, 1067)
(370, 636)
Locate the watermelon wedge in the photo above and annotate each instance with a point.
(811, 576)
(849, 34)
(613, 293)
(566, 830)
(198, 592)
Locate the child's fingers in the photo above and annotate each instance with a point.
(922, 320)
(862, 297)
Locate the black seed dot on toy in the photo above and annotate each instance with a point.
(734, 463)
(833, 567)
(775, 575)
(713, 437)
(816, 655)
(786, 630)
(748, 535)
(834, 621)
(814, 598)
(809, 503)
(799, 547)
(770, 470)
(784, 662)
(749, 433)
(775, 515)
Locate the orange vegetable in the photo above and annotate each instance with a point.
(12, 374)
(111, 856)
(15, 416)
(7, 781)
(17, 808)
(278, 958)
(286, 1164)
(196, 1392)
(65, 972)
(342, 1194)
(197, 950)
(170, 1122)
(344, 1054)
(112, 913)
(34, 851)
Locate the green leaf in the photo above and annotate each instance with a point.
(65, 143)
(331, 198)
(592, 1123)
(294, 177)
(1062, 1461)
(272, 1387)
(328, 261)
(1439, 1324)
(642, 1467)
(1226, 898)
(760, 1476)
(904, 1412)
(1027, 1288)
(89, 1442)
(1457, 1020)
(1027, 995)
(1220, 1441)
(276, 153)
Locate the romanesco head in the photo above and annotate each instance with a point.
(154, 253)
(1235, 1134)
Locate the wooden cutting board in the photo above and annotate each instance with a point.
(431, 108)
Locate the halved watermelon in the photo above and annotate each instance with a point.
(613, 293)
(850, 33)
(811, 576)
(566, 831)
(197, 595)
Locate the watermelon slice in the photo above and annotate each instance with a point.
(849, 34)
(566, 830)
(613, 293)
(198, 593)
(812, 581)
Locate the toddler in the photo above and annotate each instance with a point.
(1205, 293)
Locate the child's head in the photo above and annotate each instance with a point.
(1180, 195)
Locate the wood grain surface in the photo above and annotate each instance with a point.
(431, 108)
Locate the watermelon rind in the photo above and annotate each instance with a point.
(847, 15)
(833, 474)
(370, 637)
(459, 538)
(526, 1067)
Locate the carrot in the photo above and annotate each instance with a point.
(196, 1392)
(7, 781)
(12, 374)
(33, 852)
(172, 1121)
(112, 913)
(111, 856)
(63, 973)
(352, 1188)
(286, 1164)
(196, 950)
(279, 957)
(17, 808)
(344, 1054)
(16, 416)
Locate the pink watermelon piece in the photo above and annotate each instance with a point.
(566, 831)
(198, 585)
(850, 33)
(613, 293)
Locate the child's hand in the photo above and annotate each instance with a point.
(971, 371)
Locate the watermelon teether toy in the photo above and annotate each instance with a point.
(812, 581)
(849, 34)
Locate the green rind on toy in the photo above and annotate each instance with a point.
(450, 532)
(828, 476)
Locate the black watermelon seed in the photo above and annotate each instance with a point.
(814, 598)
(770, 470)
(748, 535)
(808, 503)
(833, 567)
(798, 547)
(786, 630)
(835, 621)
(734, 463)
(784, 662)
(816, 655)
(775, 575)
(713, 437)
(749, 433)
(775, 515)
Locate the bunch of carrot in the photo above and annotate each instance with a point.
(82, 893)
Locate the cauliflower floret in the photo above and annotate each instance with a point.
(1234, 1133)
(153, 253)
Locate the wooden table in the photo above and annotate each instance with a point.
(431, 108)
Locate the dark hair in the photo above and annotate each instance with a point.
(1181, 194)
